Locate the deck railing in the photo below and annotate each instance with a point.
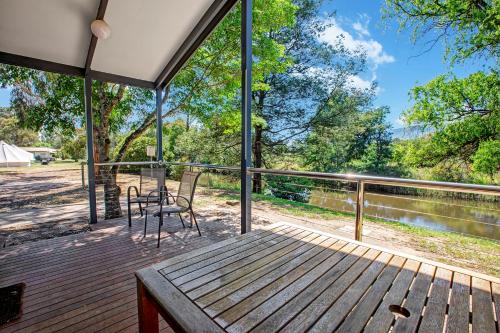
(359, 180)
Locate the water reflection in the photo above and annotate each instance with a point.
(468, 217)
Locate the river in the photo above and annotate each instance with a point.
(464, 216)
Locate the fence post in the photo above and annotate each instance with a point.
(82, 165)
(360, 199)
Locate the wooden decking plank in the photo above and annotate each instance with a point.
(64, 262)
(100, 321)
(340, 274)
(64, 277)
(416, 300)
(272, 304)
(88, 318)
(435, 310)
(230, 255)
(382, 318)
(341, 296)
(55, 306)
(241, 289)
(66, 265)
(357, 319)
(482, 307)
(458, 312)
(40, 288)
(31, 261)
(195, 279)
(192, 257)
(243, 306)
(84, 287)
(257, 268)
(74, 310)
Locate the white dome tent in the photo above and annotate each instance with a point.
(13, 156)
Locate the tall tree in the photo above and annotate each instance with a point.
(288, 101)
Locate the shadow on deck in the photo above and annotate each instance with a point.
(86, 283)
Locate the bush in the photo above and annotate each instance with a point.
(290, 188)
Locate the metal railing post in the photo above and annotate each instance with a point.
(83, 174)
(89, 126)
(360, 199)
(246, 115)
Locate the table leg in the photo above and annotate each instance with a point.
(148, 315)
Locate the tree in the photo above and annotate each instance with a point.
(359, 141)
(75, 147)
(487, 158)
(12, 133)
(463, 113)
(289, 100)
(468, 27)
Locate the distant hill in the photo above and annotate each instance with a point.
(411, 132)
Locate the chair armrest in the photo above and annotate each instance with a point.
(185, 199)
(129, 189)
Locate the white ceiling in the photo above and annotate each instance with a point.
(144, 33)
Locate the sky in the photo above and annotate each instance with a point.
(393, 61)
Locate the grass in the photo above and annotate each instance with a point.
(475, 253)
(36, 166)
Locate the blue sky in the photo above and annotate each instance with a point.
(392, 60)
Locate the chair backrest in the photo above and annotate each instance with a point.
(152, 179)
(187, 187)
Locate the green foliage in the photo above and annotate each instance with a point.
(487, 158)
(290, 188)
(449, 99)
(137, 149)
(468, 27)
(465, 117)
(358, 141)
(12, 133)
(74, 148)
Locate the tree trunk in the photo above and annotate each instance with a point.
(112, 193)
(257, 152)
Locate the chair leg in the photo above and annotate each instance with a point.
(145, 222)
(140, 209)
(195, 222)
(160, 222)
(129, 214)
(182, 221)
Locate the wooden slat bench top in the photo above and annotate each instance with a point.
(289, 278)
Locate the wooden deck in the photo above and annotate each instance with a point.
(293, 279)
(85, 282)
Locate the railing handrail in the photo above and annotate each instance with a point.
(373, 180)
(376, 180)
(360, 180)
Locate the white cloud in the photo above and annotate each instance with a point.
(358, 82)
(374, 51)
(361, 26)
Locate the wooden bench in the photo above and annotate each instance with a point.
(291, 279)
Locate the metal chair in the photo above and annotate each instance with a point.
(151, 190)
(182, 202)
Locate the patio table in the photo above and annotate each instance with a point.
(290, 278)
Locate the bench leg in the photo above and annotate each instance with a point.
(148, 315)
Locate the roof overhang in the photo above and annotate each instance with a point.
(150, 42)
